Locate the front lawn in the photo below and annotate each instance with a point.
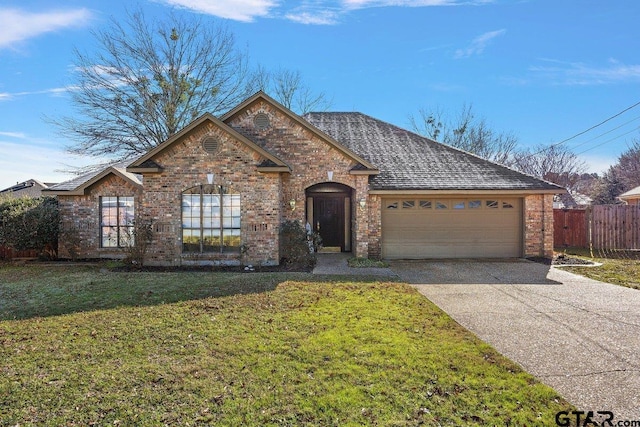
(284, 351)
(618, 267)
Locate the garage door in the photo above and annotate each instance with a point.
(415, 228)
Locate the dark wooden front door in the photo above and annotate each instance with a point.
(328, 219)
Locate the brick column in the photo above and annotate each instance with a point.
(538, 225)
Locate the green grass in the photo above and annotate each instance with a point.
(266, 351)
(618, 267)
(358, 262)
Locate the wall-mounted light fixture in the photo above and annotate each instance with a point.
(210, 178)
(292, 204)
(330, 175)
(363, 203)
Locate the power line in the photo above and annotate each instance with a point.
(595, 126)
(609, 140)
(607, 132)
(585, 131)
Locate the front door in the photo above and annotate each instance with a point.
(328, 219)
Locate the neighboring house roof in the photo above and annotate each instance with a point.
(79, 184)
(571, 200)
(634, 193)
(408, 161)
(29, 188)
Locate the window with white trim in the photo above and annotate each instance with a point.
(116, 221)
(210, 219)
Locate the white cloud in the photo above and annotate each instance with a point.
(479, 44)
(19, 25)
(238, 10)
(328, 12)
(6, 96)
(321, 17)
(578, 73)
(359, 4)
(17, 135)
(309, 12)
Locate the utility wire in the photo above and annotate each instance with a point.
(584, 131)
(608, 140)
(607, 132)
(595, 126)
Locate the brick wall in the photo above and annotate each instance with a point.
(186, 165)
(375, 227)
(538, 225)
(311, 159)
(81, 217)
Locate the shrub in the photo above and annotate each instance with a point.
(297, 247)
(27, 223)
(71, 241)
(137, 242)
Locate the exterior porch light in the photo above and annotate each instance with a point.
(292, 203)
(210, 178)
(363, 203)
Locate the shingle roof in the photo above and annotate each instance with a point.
(408, 161)
(78, 181)
(631, 194)
(25, 185)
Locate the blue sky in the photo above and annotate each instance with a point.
(543, 70)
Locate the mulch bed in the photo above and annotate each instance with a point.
(561, 259)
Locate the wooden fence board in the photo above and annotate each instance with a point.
(570, 228)
(603, 226)
(9, 253)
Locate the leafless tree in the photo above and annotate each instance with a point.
(555, 163)
(147, 80)
(288, 88)
(466, 132)
(628, 166)
(620, 177)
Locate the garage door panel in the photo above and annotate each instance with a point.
(415, 233)
(442, 251)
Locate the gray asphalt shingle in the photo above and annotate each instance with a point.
(408, 161)
(79, 180)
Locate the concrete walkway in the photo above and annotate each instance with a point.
(336, 263)
(579, 336)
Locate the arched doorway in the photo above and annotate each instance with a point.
(328, 210)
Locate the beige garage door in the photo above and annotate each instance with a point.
(415, 228)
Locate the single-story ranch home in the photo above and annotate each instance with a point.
(218, 190)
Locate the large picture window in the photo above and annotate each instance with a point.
(116, 221)
(210, 219)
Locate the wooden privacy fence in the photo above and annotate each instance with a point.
(10, 253)
(599, 226)
(570, 228)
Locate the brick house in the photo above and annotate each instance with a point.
(631, 197)
(218, 190)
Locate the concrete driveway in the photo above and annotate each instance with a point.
(579, 336)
